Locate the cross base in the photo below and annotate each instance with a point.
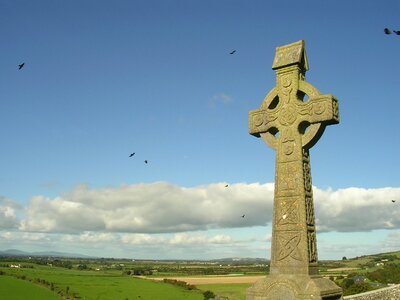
(294, 287)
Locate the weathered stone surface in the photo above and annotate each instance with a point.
(389, 293)
(291, 287)
(291, 119)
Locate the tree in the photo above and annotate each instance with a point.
(357, 288)
(82, 267)
(208, 295)
(347, 282)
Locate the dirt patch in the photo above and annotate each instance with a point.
(214, 279)
(342, 269)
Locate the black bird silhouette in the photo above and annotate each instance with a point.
(232, 52)
(243, 216)
(226, 185)
(146, 161)
(21, 66)
(393, 201)
(132, 154)
(396, 32)
(387, 31)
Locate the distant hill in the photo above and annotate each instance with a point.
(16, 252)
(12, 252)
(241, 260)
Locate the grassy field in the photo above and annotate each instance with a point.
(108, 285)
(16, 289)
(231, 291)
(101, 279)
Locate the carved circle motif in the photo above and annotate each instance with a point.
(258, 120)
(288, 147)
(288, 142)
(286, 81)
(319, 108)
(288, 115)
(314, 129)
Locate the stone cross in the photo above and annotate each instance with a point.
(291, 120)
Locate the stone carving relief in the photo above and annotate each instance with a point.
(289, 175)
(291, 124)
(281, 291)
(288, 141)
(288, 245)
(309, 211)
(289, 211)
(312, 247)
(307, 176)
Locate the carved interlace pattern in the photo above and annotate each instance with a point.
(282, 121)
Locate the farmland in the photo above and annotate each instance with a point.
(92, 285)
(111, 279)
(16, 289)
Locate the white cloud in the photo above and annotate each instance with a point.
(220, 98)
(94, 237)
(25, 236)
(59, 215)
(151, 208)
(187, 239)
(166, 208)
(357, 209)
(221, 239)
(8, 213)
(142, 239)
(191, 245)
(7, 235)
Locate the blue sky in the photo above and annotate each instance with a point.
(103, 79)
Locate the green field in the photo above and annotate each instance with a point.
(16, 289)
(49, 278)
(231, 291)
(103, 285)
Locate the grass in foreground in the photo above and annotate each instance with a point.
(89, 285)
(17, 289)
(231, 291)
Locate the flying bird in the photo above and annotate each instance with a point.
(387, 31)
(146, 161)
(132, 154)
(232, 52)
(21, 66)
(393, 201)
(396, 32)
(226, 185)
(243, 216)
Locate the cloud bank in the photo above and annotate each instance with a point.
(167, 208)
(8, 213)
(150, 208)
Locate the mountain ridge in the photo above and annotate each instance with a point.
(16, 252)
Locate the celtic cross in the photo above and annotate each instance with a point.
(291, 120)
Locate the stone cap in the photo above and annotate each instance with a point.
(291, 54)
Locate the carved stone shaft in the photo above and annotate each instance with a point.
(291, 119)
